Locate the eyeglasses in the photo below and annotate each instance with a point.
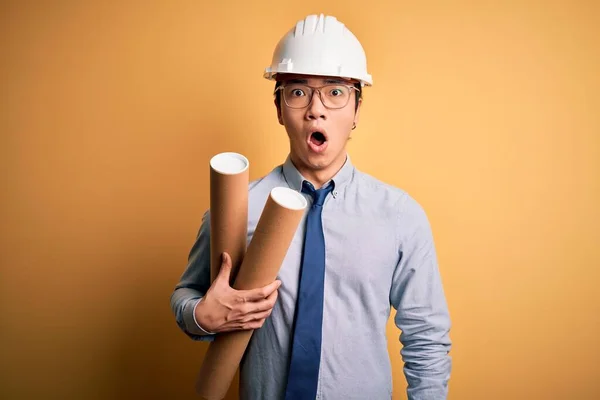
(298, 95)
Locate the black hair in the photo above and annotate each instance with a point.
(357, 85)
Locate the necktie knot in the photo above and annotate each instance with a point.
(318, 195)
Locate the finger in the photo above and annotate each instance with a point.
(253, 325)
(239, 325)
(261, 305)
(225, 271)
(261, 293)
(257, 316)
(273, 298)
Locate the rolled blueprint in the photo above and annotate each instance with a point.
(272, 237)
(228, 210)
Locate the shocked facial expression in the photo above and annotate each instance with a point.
(318, 114)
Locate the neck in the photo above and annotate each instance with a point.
(318, 177)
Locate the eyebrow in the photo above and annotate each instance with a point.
(298, 81)
(334, 81)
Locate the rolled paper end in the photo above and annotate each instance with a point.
(288, 198)
(229, 163)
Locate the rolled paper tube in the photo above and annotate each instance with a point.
(272, 237)
(228, 210)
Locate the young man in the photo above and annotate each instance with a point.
(362, 248)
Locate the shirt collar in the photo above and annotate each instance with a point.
(294, 178)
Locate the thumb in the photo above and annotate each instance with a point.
(225, 271)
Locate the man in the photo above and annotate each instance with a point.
(362, 248)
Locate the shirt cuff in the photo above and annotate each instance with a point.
(196, 328)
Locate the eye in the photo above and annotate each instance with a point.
(336, 92)
(297, 92)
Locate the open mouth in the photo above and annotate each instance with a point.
(317, 141)
(318, 138)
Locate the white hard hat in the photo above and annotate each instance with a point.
(320, 45)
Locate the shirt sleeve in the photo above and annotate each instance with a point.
(193, 285)
(422, 313)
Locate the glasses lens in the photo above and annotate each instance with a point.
(297, 96)
(332, 96)
(335, 96)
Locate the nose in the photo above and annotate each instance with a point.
(316, 109)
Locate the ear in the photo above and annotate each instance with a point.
(357, 113)
(278, 107)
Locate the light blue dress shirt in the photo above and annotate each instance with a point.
(379, 254)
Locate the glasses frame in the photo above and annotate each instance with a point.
(312, 93)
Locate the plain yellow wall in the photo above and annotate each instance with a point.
(488, 113)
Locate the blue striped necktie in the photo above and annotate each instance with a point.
(306, 347)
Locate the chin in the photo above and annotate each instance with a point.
(319, 164)
(319, 161)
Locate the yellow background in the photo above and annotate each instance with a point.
(488, 113)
